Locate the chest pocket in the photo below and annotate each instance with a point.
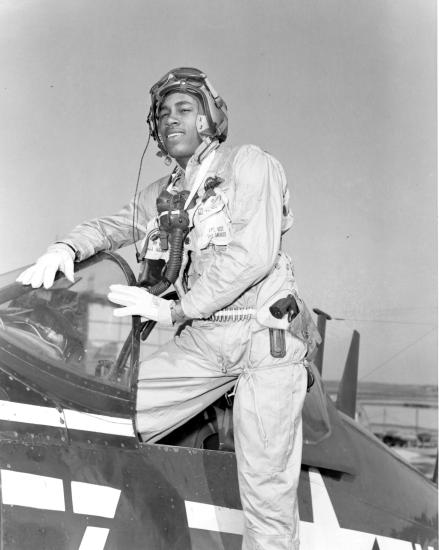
(212, 223)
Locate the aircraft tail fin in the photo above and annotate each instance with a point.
(347, 392)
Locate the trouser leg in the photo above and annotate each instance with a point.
(180, 380)
(185, 376)
(268, 443)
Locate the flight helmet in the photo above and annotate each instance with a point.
(211, 123)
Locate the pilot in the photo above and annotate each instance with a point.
(218, 221)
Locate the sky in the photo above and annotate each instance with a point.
(342, 92)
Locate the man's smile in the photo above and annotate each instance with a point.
(174, 134)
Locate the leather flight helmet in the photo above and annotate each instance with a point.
(212, 123)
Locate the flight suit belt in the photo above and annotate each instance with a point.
(232, 314)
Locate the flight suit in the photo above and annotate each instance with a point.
(237, 268)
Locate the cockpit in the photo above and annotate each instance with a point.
(70, 326)
(65, 345)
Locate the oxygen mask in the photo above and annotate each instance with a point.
(173, 225)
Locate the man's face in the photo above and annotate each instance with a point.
(177, 126)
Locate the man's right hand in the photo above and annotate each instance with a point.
(59, 257)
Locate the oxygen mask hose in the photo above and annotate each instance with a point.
(173, 226)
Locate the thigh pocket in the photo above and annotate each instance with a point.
(269, 403)
(269, 416)
(278, 422)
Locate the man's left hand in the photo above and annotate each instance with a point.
(138, 301)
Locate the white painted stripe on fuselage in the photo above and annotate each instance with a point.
(321, 503)
(312, 535)
(35, 414)
(70, 419)
(94, 538)
(214, 518)
(386, 543)
(94, 500)
(33, 491)
(76, 420)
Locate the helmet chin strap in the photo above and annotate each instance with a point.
(166, 158)
(204, 149)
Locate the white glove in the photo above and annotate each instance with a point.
(138, 301)
(59, 257)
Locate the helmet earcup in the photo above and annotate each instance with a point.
(202, 125)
